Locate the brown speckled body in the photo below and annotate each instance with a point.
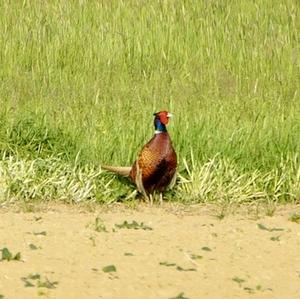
(157, 162)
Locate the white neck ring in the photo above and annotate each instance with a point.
(157, 132)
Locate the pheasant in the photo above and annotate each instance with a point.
(155, 168)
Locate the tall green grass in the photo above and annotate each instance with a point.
(81, 79)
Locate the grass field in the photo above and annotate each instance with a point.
(81, 79)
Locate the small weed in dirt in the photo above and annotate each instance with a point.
(180, 296)
(27, 283)
(258, 288)
(196, 257)
(167, 264)
(205, 248)
(220, 215)
(1, 296)
(35, 280)
(128, 254)
(27, 280)
(42, 233)
(34, 247)
(274, 229)
(249, 290)
(295, 218)
(41, 293)
(208, 224)
(238, 280)
(185, 269)
(8, 256)
(277, 238)
(109, 269)
(99, 225)
(92, 238)
(37, 218)
(177, 268)
(133, 225)
(47, 284)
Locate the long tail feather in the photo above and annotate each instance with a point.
(121, 170)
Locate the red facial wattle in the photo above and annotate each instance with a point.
(164, 118)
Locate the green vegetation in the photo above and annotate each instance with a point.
(180, 296)
(273, 229)
(8, 256)
(167, 264)
(205, 248)
(81, 79)
(133, 225)
(42, 233)
(99, 225)
(196, 256)
(185, 269)
(179, 268)
(109, 268)
(295, 218)
(35, 279)
(128, 254)
(238, 280)
(34, 247)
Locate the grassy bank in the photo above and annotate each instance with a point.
(81, 79)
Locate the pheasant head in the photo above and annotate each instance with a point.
(161, 119)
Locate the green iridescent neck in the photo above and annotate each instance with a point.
(159, 126)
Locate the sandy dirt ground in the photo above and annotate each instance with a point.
(166, 253)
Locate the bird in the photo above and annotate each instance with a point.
(155, 167)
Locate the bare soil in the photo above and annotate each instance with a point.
(175, 253)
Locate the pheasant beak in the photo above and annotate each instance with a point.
(170, 115)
